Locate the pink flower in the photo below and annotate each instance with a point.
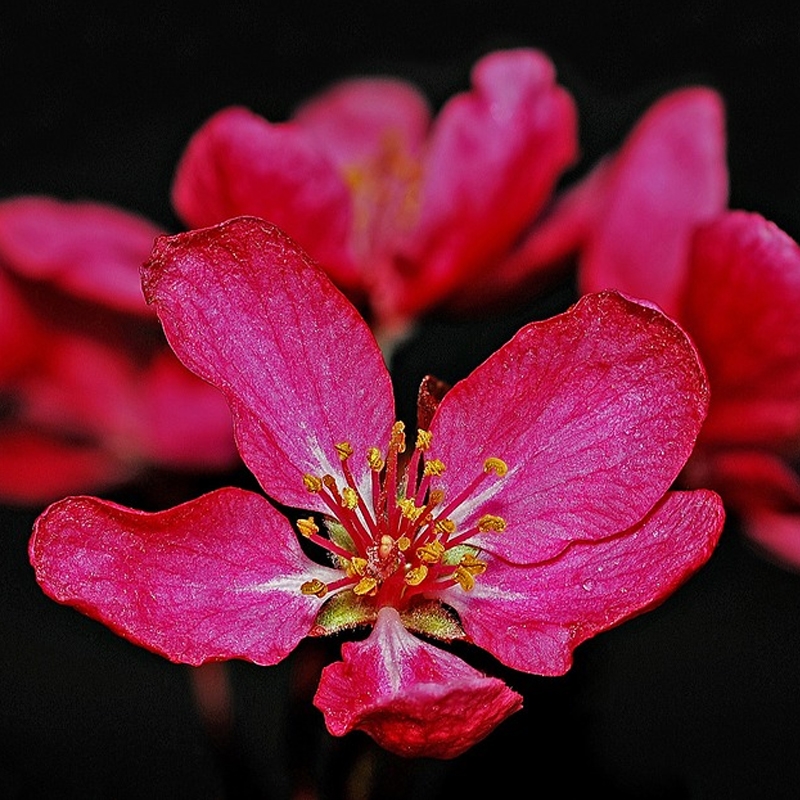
(402, 209)
(531, 511)
(91, 393)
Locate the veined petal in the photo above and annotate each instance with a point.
(352, 120)
(494, 157)
(414, 699)
(86, 249)
(532, 618)
(594, 411)
(247, 310)
(669, 176)
(238, 163)
(742, 307)
(216, 578)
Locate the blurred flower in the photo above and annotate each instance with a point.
(90, 393)
(532, 512)
(403, 210)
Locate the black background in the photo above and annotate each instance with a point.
(697, 699)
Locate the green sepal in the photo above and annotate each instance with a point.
(344, 611)
(431, 618)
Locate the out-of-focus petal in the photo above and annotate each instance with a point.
(238, 163)
(86, 249)
(742, 307)
(216, 578)
(494, 156)
(669, 176)
(247, 310)
(413, 698)
(595, 412)
(532, 618)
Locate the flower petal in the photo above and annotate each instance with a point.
(86, 249)
(247, 310)
(669, 176)
(495, 155)
(216, 578)
(532, 618)
(238, 163)
(742, 306)
(412, 698)
(595, 412)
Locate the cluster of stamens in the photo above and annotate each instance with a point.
(401, 541)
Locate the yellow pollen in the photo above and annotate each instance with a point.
(307, 527)
(472, 564)
(445, 526)
(424, 439)
(435, 497)
(357, 566)
(345, 450)
(490, 522)
(315, 586)
(403, 543)
(408, 509)
(375, 459)
(496, 465)
(434, 467)
(398, 438)
(463, 578)
(366, 586)
(349, 498)
(312, 483)
(385, 546)
(431, 553)
(415, 576)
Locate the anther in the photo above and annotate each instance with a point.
(416, 575)
(349, 498)
(496, 465)
(445, 526)
(491, 522)
(433, 467)
(315, 586)
(366, 585)
(345, 450)
(398, 437)
(375, 459)
(424, 439)
(431, 553)
(307, 527)
(312, 483)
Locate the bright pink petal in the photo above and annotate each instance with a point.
(212, 579)
(412, 698)
(245, 308)
(36, 469)
(239, 163)
(669, 176)
(532, 618)
(742, 306)
(21, 335)
(494, 157)
(594, 411)
(777, 535)
(86, 249)
(355, 119)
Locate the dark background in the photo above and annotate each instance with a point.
(697, 699)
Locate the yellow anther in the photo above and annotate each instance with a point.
(434, 467)
(385, 546)
(408, 509)
(307, 527)
(463, 577)
(315, 586)
(445, 526)
(366, 586)
(431, 553)
(398, 438)
(424, 439)
(330, 484)
(357, 566)
(345, 450)
(349, 498)
(435, 497)
(403, 543)
(472, 564)
(415, 576)
(312, 483)
(491, 522)
(496, 465)
(375, 459)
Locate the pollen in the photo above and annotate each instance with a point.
(491, 522)
(434, 467)
(367, 585)
(349, 498)
(315, 586)
(431, 553)
(416, 575)
(312, 483)
(496, 465)
(375, 460)
(345, 450)
(424, 439)
(307, 527)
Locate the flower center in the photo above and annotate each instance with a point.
(401, 541)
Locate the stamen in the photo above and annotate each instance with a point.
(424, 439)
(415, 576)
(433, 467)
(315, 586)
(491, 522)
(496, 465)
(431, 553)
(312, 483)
(366, 585)
(344, 449)
(307, 527)
(349, 497)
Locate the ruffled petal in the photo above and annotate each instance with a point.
(494, 157)
(216, 578)
(85, 249)
(742, 307)
(414, 699)
(595, 411)
(238, 163)
(669, 176)
(532, 618)
(246, 309)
